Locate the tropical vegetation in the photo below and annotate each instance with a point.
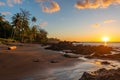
(20, 29)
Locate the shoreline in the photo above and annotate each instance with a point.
(28, 59)
(32, 61)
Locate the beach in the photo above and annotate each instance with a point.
(29, 60)
(34, 62)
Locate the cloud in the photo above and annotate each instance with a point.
(12, 2)
(43, 24)
(5, 13)
(93, 4)
(96, 25)
(2, 4)
(40, 0)
(87, 4)
(49, 6)
(17, 1)
(107, 3)
(53, 7)
(109, 21)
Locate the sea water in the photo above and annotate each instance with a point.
(110, 44)
(75, 72)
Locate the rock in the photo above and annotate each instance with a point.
(71, 55)
(113, 65)
(105, 63)
(35, 60)
(102, 74)
(54, 61)
(87, 76)
(67, 51)
(89, 57)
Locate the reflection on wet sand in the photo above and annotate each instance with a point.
(76, 71)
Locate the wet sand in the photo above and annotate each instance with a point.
(30, 60)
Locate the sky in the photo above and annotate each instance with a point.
(71, 20)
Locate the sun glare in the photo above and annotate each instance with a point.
(105, 39)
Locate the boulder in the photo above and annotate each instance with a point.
(87, 76)
(102, 74)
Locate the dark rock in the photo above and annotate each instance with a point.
(89, 57)
(105, 63)
(71, 55)
(87, 76)
(54, 61)
(113, 65)
(68, 47)
(35, 60)
(102, 74)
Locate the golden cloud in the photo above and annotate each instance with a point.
(96, 25)
(109, 21)
(2, 4)
(93, 4)
(53, 7)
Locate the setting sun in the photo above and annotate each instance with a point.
(105, 39)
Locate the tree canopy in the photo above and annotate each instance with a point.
(20, 28)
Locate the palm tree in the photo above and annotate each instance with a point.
(34, 19)
(1, 17)
(21, 24)
(34, 28)
(41, 36)
(17, 21)
(25, 23)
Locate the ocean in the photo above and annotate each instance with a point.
(85, 65)
(110, 44)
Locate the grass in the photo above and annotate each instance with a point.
(6, 41)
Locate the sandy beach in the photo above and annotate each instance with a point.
(29, 60)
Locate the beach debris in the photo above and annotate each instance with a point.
(71, 55)
(12, 48)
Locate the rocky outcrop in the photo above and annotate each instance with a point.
(68, 47)
(102, 74)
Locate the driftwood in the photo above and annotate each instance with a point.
(12, 48)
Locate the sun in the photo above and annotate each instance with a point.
(105, 39)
